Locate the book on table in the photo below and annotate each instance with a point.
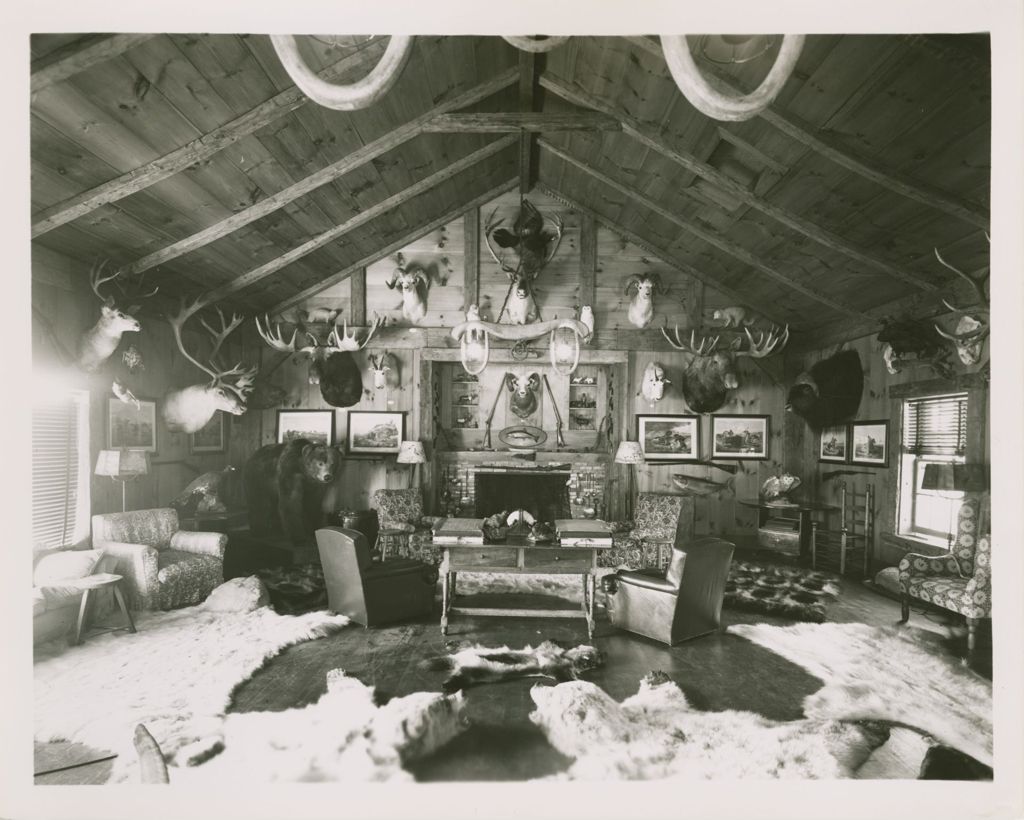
(583, 532)
(459, 531)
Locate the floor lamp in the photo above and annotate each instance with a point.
(629, 453)
(123, 466)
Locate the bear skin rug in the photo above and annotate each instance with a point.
(176, 674)
(791, 592)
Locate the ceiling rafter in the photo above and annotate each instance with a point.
(730, 248)
(349, 163)
(655, 139)
(79, 56)
(529, 69)
(335, 233)
(516, 121)
(869, 168)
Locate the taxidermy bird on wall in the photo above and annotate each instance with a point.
(829, 393)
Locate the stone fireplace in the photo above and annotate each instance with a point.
(544, 494)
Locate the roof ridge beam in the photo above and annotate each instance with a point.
(78, 56)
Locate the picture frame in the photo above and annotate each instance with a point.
(740, 437)
(130, 427)
(869, 443)
(668, 437)
(211, 437)
(315, 425)
(374, 432)
(834, 444)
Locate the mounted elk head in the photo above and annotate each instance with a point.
(99, 342)
(711, 373)
(653, 384)
(333, 368)
(385, 371)
(525, 399)
(189, 409)
(641, 304)
(972, 327)
(413, 281)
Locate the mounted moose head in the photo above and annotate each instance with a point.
(385, 371)
(99, 342)
(189, 409)
(711, 373)
(653, 384)
(525, 398)
(641, 305)
(972, 327)
(413, 281)
(333, 367)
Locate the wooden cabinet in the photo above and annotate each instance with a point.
(586, 399)
(788, 529)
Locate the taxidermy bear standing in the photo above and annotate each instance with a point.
(830, 392)
(285, 486)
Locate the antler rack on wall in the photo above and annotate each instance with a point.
(473, 337)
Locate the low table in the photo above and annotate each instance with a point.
(518, 556)
(100, 581)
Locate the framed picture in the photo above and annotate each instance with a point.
(669, 438)
(315, 425)
(834, 444)
(869, 443)
(129, 427)
(740, 437)
(211, 438)
(375, 432)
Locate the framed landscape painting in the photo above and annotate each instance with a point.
(375, 432)
(315, 425)
(130, 427)
(211, 437)
(834, 445)
(869, 443)
(669, 438)
(740, 437)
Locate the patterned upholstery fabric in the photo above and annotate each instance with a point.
(960, 581)
(400, 511)
(153, 528)
(649, 542)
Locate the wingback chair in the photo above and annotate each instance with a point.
(661, 520)
(960, 581)
(684, 601)
(372, 592)
(400, 513)
(163, 567)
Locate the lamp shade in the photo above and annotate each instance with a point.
(122, 463)
(411, 452)
(629, 452)
(953, 477)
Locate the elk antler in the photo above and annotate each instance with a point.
(96, 279)
(348, 341)
(765, 345)
(705, 348)
(977, 285)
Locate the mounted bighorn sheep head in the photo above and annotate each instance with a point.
(525, 399)
(653, 384)
(711, 373)
(641, 304)
(413, 281)
(333, 367)
(189, 409)
(385, 371)
(99, 342)
(972, 327)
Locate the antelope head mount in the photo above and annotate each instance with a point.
(972, 326)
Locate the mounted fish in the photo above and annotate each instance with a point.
(653, 383)
(641, 303)
(101, 340)
(690, 485)
(913, 342)
(413, 280)
(830, 392)
(972, 326)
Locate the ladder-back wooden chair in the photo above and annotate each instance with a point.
(847, 548)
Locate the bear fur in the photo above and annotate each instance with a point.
(285, 486)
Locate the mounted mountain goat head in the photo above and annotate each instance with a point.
(711, 373)
(385, 371)
(972, 327)
(99, 342)
(653, 385)
(189, 409)
(525, 399)
(332, 368)
(641, 304)
(413, 281)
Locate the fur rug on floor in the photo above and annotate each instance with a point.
(791, 592)
(176, 675)
(656, 734)
(473, 665)
(901, 675)
(296, 589)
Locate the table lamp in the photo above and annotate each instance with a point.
(629, 453)
(411, 452)
(123, 466)
(953, 479)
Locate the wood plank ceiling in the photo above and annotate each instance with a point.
(194, 159)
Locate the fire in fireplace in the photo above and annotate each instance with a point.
(545, 495)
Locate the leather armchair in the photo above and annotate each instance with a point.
(163, 566)
(372, 592)
(681, 602)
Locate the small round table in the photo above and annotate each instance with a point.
(100, 581)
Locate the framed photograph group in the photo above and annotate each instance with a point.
(834, 444)
(131, 427)
(669, 438)
(315, 425)
(740, 437)
(375, 432)
(862, 443)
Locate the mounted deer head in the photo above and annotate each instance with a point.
(333, 367)
(413, 281)
(641, 304)
(525, 399)
(653, 384)
(711, 373)
(385, 371)
(99, 342)
(972, 327)
(189, 409)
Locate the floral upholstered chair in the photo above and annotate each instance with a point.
(960, 581)
(163, 567)
(404, 530)
(661, 519)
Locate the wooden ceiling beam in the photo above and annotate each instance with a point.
(349, 163)
(656, 140)
(335, 233)
(517, 121)
(730, 248)
(78, 56)
(407, 239)
(870, 168)
(529, 69)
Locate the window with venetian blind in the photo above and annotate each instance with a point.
(60, 469)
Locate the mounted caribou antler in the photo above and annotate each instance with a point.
(972, 327)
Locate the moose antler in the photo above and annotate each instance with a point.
(705, 348)
(273, 336)
(348, 341)
(765, 344)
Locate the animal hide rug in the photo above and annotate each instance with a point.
(479, 664)
(776, 590)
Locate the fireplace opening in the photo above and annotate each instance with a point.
(544, 495)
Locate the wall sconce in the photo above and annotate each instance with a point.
(565, 350)
(474, 350)
(566, 334)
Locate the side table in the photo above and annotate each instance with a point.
(100, 581)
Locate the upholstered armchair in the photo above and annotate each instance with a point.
(372, 592)
(163, 567)
(681, 602)
(404, 531)
(960, 581)
(661, 520)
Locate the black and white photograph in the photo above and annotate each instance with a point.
(375, 432)
(744, 437)
(669, 438)
(315, 425)
(131, 425)
(211, 437)
(869, 443)
(833, 445)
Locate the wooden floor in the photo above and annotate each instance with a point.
(716, 672)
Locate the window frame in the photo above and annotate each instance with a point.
(78, 471)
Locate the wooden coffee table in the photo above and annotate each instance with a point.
(518, 557)
(100, 581)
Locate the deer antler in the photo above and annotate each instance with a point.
(134, 292)
(765, 344)
(705, 348)
(490, 226)
(96, 279)
(348, 341)
(977, 285)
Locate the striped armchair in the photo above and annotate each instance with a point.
(960, 581)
